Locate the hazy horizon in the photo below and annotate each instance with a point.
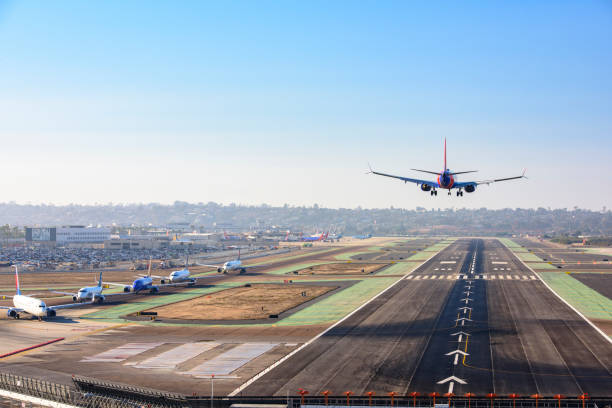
(280, 103)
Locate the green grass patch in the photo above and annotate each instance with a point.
(588, 301)
(542, 265)
(528, 257)
(338, 305)
(400, 268)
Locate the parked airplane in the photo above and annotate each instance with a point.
(29, 304)
(89, 293)
(316, 237)
(180, 276)
(447, 179)
(365, 236)
(144, 282)
(234, 265)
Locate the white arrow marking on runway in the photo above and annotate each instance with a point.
(466, 300)
(460, 333)
(463, 353)
(464, 307)
(452, 378)
(467, 292)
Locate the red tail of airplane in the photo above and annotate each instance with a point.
(444, 154)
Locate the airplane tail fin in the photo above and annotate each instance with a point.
(18, 291)
(238, 253)
(445, 154)
(187, 262)
(149, 272)
(100, 280)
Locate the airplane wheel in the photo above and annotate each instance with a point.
(17, 316)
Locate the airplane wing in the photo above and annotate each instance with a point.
(68, 305)
(116, 284)
(210, 266)
(63, 293)
(407, 179)
(467, 183)
(258, 266)
(18, 310)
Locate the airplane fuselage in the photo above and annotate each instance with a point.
(88, 293)
(145, 283)
(446, 180)
(31, 305)
(231, 265)
(179, 276)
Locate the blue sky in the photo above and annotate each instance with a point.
(286, 102)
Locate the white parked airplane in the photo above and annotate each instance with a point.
(30, 304)
(92, 294)
(180, 276)
(234, 265)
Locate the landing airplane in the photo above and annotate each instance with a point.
(234, 265)
(29, 304)
(447, 180)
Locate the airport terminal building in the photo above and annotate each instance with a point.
(67, 235)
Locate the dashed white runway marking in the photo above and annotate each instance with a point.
(171, 358)
(121, 353)
(231, 360)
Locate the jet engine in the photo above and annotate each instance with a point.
(99, 299)
(163, 281)
(154, 289)
(425, 187)
(470, 188)
(51, 313)
(126, 289)
(219, 270)
(12, 313)
(74, 299)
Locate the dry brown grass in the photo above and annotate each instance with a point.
(346, 268)
(243, 303)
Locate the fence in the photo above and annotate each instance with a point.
(92, 393)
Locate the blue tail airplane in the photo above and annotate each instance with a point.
(447, 180)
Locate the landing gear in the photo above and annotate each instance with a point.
(434, 193)
(459, 193)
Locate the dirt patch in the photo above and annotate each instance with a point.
(345, 268)
(257, 301)
(604, 325)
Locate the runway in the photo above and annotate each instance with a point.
(471, 329)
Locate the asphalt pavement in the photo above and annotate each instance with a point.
(471, 319)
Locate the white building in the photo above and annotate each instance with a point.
(81, 234)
